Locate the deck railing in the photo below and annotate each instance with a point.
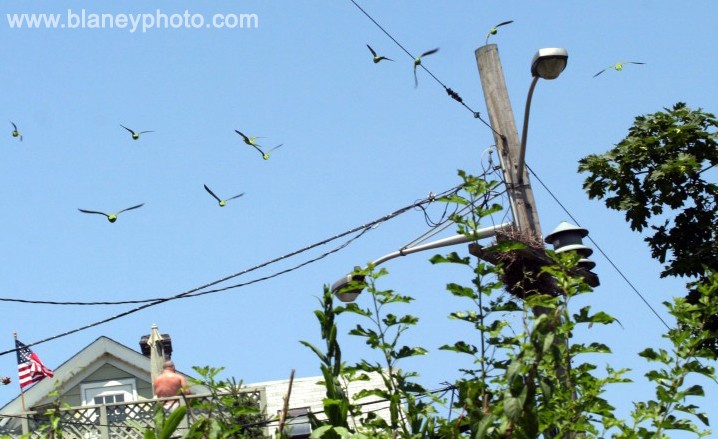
(118, 420)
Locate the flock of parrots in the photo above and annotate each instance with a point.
(252, 141)
(112, 217)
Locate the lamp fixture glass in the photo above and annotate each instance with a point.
(549, 63)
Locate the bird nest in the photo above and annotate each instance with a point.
(521, 271)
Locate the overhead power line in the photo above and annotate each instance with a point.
(598, 247)
(418, 204)
(199, 290)
(452, 94)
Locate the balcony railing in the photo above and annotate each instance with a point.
(118, 420)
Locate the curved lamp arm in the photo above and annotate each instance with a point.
(339, 288)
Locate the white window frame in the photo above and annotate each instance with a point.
(105, 388)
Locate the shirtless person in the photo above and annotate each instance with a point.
(169, 382)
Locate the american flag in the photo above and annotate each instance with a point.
(29, 366)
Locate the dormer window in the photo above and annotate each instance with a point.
(108, 392)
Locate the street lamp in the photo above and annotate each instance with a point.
(547, 64)
(348, 294)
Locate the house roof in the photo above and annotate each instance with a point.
(103, 350)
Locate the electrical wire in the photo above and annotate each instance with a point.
(452, 94)
(598, 247)
(451, 403)
(438, 228)
(443, 225)
(432, 223)
(492, 169)
(193, 294)
(197, 291)
(500, 177)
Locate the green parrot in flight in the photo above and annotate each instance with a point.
(618, 66)
(252, 141)
(15, 132)
(221, 202)
(495, 29)
(377, 58)
(417, 63)
(135, 134)
(111, 217)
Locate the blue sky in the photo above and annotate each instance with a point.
(359, 142)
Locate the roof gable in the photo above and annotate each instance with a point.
(72, 372)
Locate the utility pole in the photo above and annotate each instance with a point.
(515, 173)
(507, 141)
(512, 149)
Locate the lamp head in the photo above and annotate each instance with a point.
(549, 63)
(349, 287)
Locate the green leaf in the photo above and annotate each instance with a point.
(548, 342)
(319, 432)
(343, 432)
(649, 354)
(694, 390)
(461, 291)
(484, 425)
(597, 348)
(406, 352)
(703, 418)
(451, 258)
(173, 422)
(318, 352)
(460, 347)
(513, 407)
(356, 309)
(600, 317)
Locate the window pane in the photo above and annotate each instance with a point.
(298, 427)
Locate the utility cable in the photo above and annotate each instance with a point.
(436, 229)
(452, 94)
(372, 224)
(196, 290)
(495, 170)
(442, 225)
(618, 270)
(190, 293)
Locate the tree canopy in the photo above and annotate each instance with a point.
(659, 175)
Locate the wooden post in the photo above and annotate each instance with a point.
(507, 140)
(508, 144)
(25, 423)
(104, 424)
(285, 408)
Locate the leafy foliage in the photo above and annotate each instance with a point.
(657, 176)
(529, 377)
(230, 412)
(337, 406)
(165, 426)
(409, 414)
(53, 429)
(676, 390)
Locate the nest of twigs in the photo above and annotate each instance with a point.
(521, 267)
